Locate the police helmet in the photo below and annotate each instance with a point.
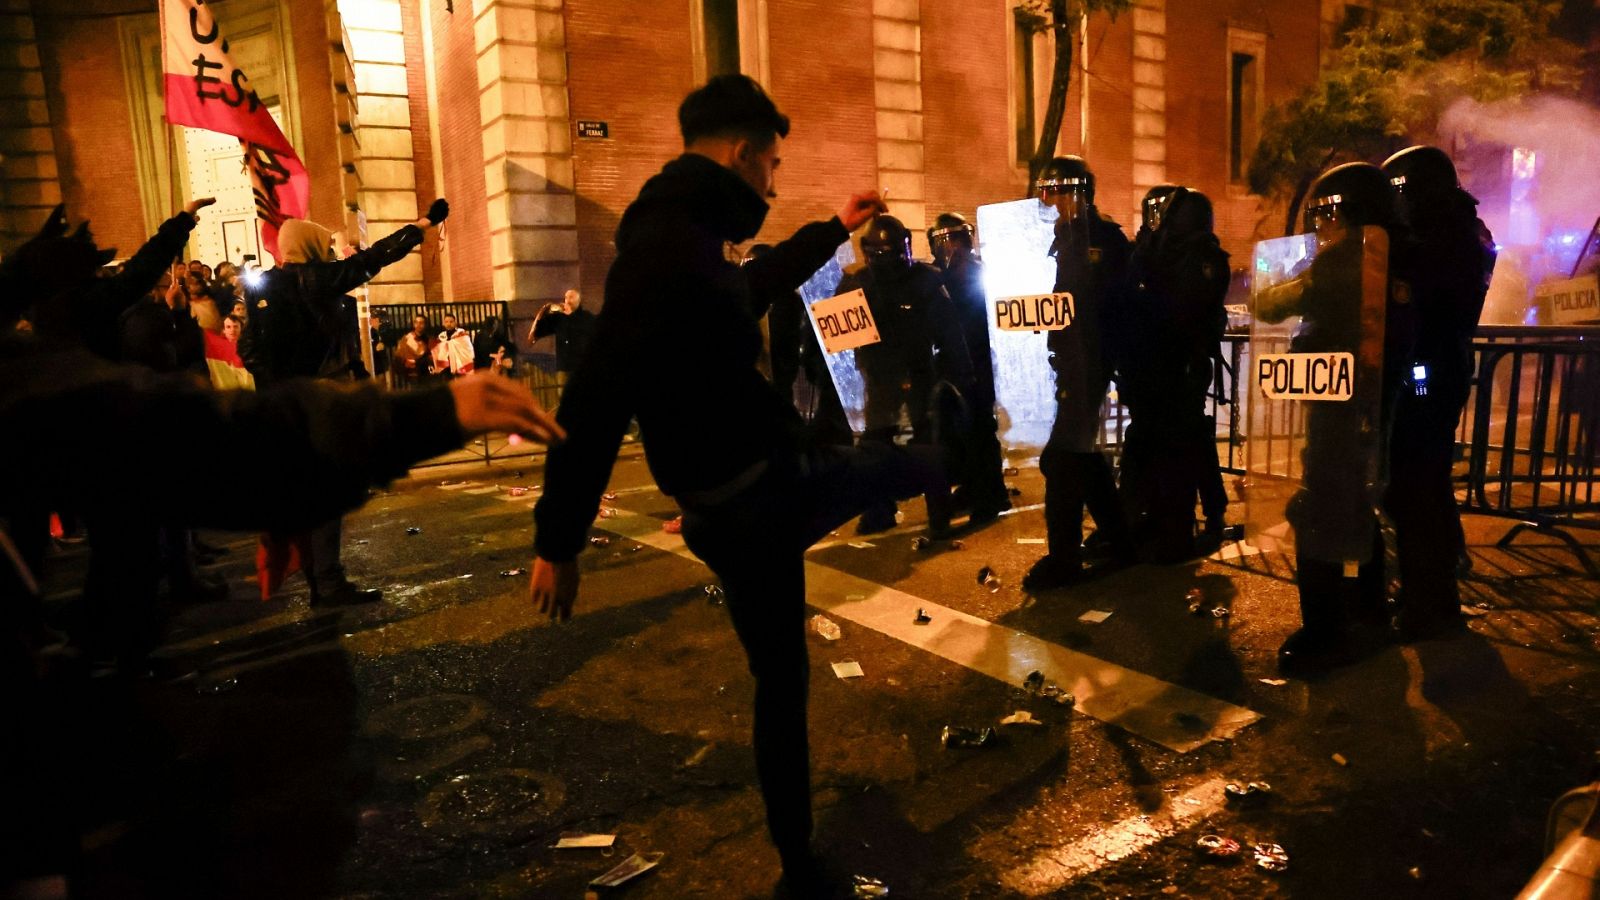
(1355, 194)
(1421, 171)
(886, 238)
(1066, 174)
(949, 226)
(1187, 211)
(1154, 204)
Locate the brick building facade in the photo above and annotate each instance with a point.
(393, 102)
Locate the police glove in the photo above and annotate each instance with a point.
(438, 211)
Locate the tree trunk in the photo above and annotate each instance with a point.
(1060, 75)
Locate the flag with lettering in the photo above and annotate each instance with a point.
(204, 89)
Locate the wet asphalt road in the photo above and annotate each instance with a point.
(438, 744)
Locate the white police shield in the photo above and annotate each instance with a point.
(1014, 241)
(1312, 395)
(842, 365)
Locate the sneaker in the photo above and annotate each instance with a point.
(1053, 571)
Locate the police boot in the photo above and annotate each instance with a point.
(1321, 643)
(878, 518)
(1063, 519)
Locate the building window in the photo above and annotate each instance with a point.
(1241, 115)
(1246, 51)
(720, 31)
(1033, 50)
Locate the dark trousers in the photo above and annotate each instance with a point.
(1421, 502)
(325, 570)
(1330, 602)
(1208, 472)
(1073, 481)
(121, 617)
(755, 543)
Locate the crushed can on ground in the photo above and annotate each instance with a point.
(961, 736)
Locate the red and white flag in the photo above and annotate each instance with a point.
(204, 89)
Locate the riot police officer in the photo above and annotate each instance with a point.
(919, 345)
(1150, 212)
(1173, 320)
(951, 239)
(794, 350)
(1339, 548)
(1091, 263)
(1448, 296)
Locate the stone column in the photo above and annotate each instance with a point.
(527, 151)
(897, 92)
(29, 184)
(388, 183)
(1149, 97)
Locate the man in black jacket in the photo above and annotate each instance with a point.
(719, 439)
(302, 325)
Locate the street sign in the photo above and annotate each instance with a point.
(588, 128)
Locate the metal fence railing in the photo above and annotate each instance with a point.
(1532, 433)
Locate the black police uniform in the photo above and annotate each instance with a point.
(1448, 293)
(1092, 264)
(920, 343)
(1172, 323)
(963, 281)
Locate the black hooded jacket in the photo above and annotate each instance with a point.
(676, 346)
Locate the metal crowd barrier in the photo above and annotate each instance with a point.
(1532, 432)
(471, 315)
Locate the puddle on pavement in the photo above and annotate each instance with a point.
(497, 802)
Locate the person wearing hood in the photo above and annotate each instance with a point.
(303, 325)
(1173, 322)
(676, 346)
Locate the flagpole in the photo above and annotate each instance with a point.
(172, 163)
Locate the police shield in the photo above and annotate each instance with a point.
(1313, 398)
(833, 324)
(1014, 241)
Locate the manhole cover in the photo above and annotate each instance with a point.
(495, 801)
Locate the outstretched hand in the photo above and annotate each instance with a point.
(553, 587)
(194, 206)
(860, 208)
(485, 403)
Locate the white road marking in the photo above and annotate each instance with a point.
(1235, 550)
(486, 489)
(1058, 867)
(1175, 717)
(915, 529)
